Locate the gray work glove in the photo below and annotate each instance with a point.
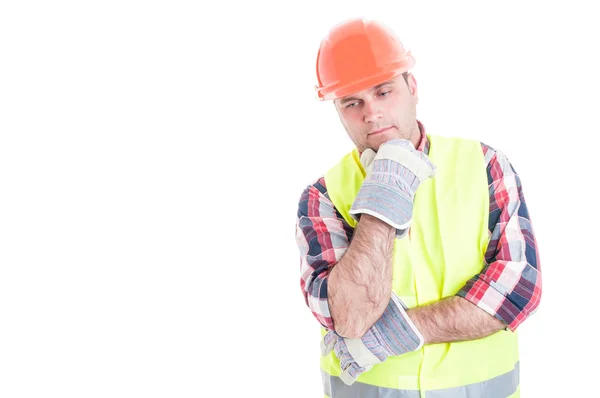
(393, 176)
(393, 334)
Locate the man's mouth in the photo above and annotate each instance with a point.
(380, 131)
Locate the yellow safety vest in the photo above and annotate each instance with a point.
(446, 247)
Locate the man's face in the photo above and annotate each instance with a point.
(381, 113)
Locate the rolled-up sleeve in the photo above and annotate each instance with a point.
(510, 284)
(323, 236)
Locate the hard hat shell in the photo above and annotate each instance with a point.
(358, 54)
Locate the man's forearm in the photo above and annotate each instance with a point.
(360, 285)
(453, 319)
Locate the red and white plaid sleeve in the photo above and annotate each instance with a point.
(510, 284)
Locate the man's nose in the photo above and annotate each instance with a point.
(372, 112)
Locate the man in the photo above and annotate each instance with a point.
(418, 257)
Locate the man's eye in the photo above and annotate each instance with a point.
(351, 105)
(385, 92)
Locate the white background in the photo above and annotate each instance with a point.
(152, 155)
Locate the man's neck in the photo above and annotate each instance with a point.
(416, 136)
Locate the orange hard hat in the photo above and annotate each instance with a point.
(358, 54)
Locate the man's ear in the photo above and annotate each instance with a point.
(335, 105)
(412, 86)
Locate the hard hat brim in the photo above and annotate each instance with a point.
(337, 91)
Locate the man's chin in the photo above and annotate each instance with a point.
(376, 140)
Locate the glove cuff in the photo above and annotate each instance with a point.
(394, 207)
(394, 331)
(418, 337)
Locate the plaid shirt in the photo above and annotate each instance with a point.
(509, 285)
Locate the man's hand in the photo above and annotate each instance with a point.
(388, 190)
(393, 334)
(348, 364)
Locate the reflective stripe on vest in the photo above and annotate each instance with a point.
(498, 387)
(445, 249)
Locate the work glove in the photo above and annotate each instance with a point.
(366, 159)
(388, 190)
(350, 369)
(393, 334)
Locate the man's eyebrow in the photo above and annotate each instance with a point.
(382, 84)
(377, 87)
(348, 99)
